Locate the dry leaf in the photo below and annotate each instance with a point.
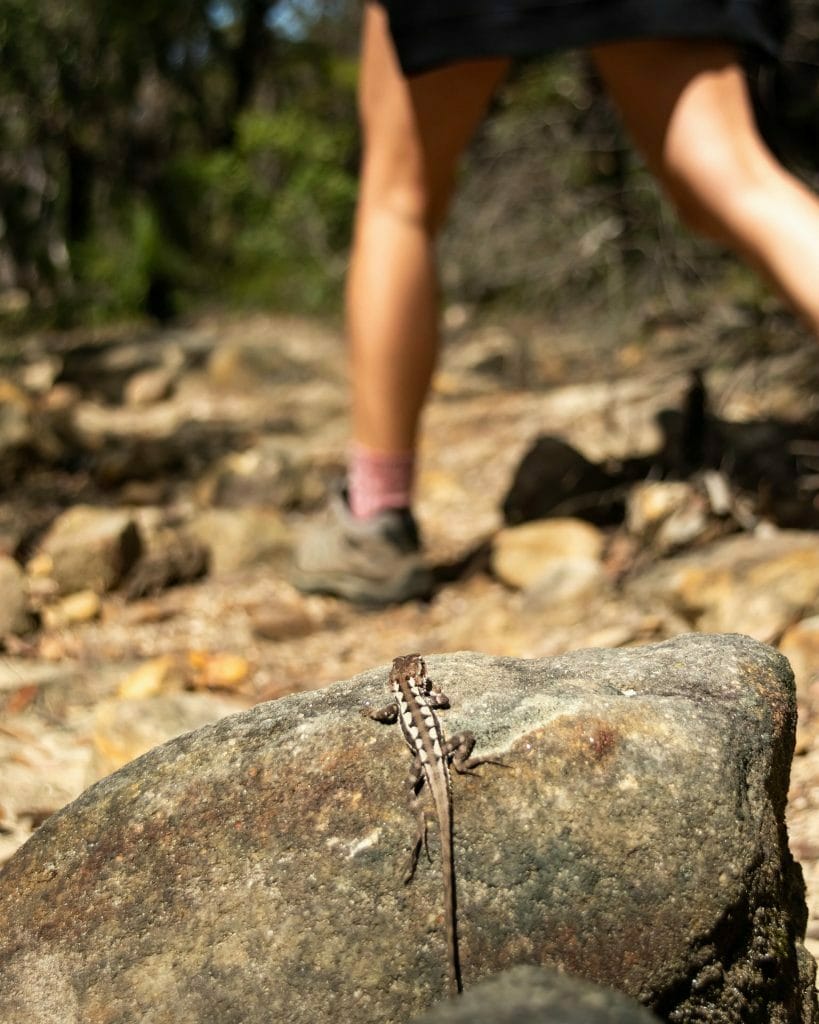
(159, 675)
(214, 670)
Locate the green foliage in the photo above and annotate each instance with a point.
(265, 222)
(306, 159)
(270, 217)
(177, 141)
(113, 266)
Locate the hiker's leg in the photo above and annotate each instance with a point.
(687, 107)
(414, 131)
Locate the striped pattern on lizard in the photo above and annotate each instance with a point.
(413, 707)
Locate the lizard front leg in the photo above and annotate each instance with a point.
(388, 715)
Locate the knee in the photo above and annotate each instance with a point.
(398, 177)
(395, 183)
(396, 180)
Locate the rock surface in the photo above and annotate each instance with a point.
(91, 548)
(248, 871)
(125, 729)
(532, 995)
(241, 538)
(668, 514)
(524, 555)
(757, 584)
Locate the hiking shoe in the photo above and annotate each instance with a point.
(374, 561)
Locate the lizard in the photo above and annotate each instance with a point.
(414, 705)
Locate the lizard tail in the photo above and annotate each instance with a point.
(450, 907)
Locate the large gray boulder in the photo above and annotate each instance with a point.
(251, 871)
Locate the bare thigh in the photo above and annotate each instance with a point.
(415, 128)
(686, 105)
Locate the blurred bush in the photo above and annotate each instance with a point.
(156, 155)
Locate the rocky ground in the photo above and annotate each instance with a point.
(154, 482)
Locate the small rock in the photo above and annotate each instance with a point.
(522, 555)
(126, 729)
(14, 300)
(16, 429)
(800, 645)
(15, 410)
(57, 647)
(226, 369)
(668, 514)
(165, 674)
(718, 492)
(754, 584)
(171, 557)
(650, 503)
(565, 583)
(149, 386)
(535, 995)
(457, 315)
(197, 670)
(61, 400)
(83, 606)
(217, 670)
(284, 623)
(685, 526)
(39, 377)
(91, 548)
(40, 566)
(263, 475)
(237, 538)
(14, 614)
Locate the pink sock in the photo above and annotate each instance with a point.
(379, 480)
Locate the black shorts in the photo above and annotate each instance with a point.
(431, 33)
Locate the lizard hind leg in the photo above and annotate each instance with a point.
(416, 782)
(437, 699)
(458, 748)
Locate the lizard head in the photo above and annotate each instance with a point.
(410, 667)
